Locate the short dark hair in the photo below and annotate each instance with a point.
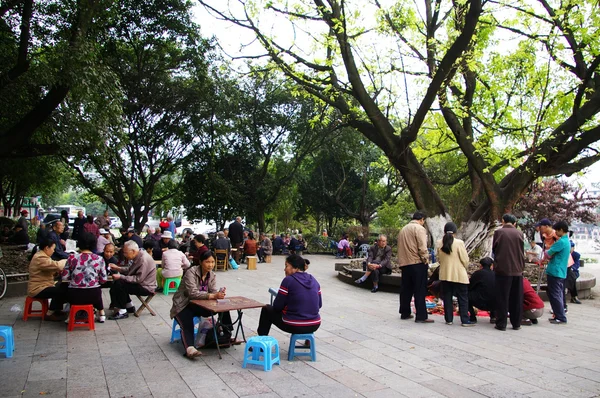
(46, 242)
(297, 262)
(87, 241)
(509, 219)
(561, 225)
(486, 262)
(419, 215)
(206, 255)
(148, 244)
(200, 238)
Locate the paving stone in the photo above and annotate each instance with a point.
(451, 390)
(245, 383)
(290, 387)
(48, 370)
(46, 388)
(95, 392)
(354, 380)
(48, 352)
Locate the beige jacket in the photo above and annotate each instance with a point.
(453, 266)
(41, 273)
(189, 289)
(412, 244)
(142, 271)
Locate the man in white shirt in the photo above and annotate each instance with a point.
(534, 254)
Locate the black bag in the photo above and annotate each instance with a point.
(223, 335)
(571, 279)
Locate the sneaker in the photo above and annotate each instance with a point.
(555, 321)
(116, 317)
(448, 323)
(575, 300)
(467, 325)
(101, 319)
(130, 310)
(374, 290)
(359, 281)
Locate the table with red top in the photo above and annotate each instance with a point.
(236, 303)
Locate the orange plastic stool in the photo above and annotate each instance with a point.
(28, 311)
(90, 321)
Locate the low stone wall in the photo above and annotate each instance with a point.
(585, 283)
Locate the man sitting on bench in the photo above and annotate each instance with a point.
(378, 262)
(138, 279)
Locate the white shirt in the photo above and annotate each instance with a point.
(173, 263)
(102, 241)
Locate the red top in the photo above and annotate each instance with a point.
(531, 300)
(250, 247)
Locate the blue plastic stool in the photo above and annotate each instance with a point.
(306, 351)
(176, 332)
(8, 346)
(167, 289)
(261, 346)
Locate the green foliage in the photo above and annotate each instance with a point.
(159, 58)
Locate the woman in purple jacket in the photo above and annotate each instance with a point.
(296, 307)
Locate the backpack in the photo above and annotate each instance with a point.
(223, 334)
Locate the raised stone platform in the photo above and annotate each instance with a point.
(585, 283)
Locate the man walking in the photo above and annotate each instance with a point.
(413, 258)
(509, 263)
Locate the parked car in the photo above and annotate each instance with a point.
(115, 222)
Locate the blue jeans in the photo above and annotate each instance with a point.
(556, 292)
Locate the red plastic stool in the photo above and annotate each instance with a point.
(90, 321)
(28, 311)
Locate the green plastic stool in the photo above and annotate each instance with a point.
(167, 289)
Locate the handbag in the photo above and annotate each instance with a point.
(233, 264)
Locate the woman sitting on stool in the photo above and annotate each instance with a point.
(198, 283)
(41, 279)
(85, 272)
(299, 296)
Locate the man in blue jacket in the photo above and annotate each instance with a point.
(556, 271)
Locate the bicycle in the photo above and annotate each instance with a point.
(318, 245)
(3, 281)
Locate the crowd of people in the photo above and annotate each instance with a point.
(129, 266)
(498, 286)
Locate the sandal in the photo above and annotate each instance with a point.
(191, 352)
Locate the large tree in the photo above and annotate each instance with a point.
(47, 50)
(261, 132)
(390, 68)
(159, 58)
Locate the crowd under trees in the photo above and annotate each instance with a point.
(354, 112)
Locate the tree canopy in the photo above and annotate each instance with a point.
(392, 69)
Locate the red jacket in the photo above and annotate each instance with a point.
(531, 300)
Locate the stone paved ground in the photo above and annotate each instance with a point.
(363, 349)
